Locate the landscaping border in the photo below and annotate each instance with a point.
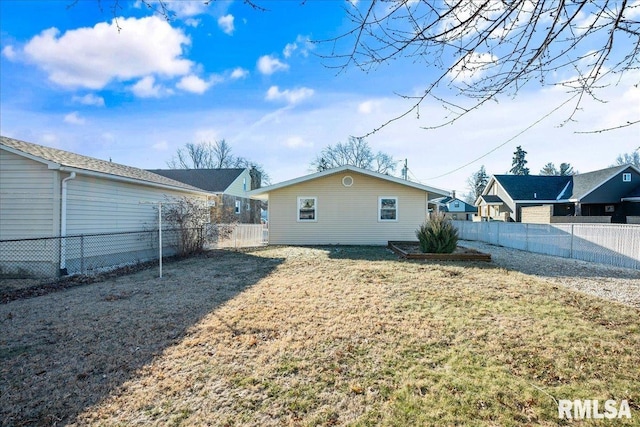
(471, 255)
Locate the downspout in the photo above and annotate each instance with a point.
(63, 225)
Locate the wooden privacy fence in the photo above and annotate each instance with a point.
(237, 235)
(613, 244)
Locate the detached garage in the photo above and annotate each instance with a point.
(346, 206)
(46, 194)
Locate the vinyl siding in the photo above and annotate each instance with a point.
(237, 188)
(345, 215)
(104, 206)
(29, 202)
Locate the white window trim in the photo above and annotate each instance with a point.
(238, 207)
(380, 209)
(625, 176)
(315, 208)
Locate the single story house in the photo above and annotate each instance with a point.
(50, 193)
(606, 193)
(454, 208)
(344, 206)
(228, 191)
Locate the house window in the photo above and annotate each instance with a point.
(307, 209)
(347, 181)
(626, 177)
(238, 205)
(387, 208)
(456, 204)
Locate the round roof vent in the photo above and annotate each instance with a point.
(347, 181)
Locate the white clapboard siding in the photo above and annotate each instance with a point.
(28, 198)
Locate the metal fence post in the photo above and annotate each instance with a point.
(571, 244)
(82, 254)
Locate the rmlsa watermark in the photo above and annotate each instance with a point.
(591, 409)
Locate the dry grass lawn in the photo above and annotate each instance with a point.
(315, 336)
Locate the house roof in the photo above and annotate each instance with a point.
(72, 162)
(444, 201)
(585, 183)
(557, 188)
(213, 180)
(261, 192)
(535, 187)
(490, 199)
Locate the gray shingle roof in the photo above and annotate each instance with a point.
(489, 198)
(77, 161)
(585, 182)
(530, 187)
(213, 180)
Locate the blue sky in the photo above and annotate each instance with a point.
(70, 80)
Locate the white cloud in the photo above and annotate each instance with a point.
(192, 22)
(302, 44)
(239, 73)
(291, 96)
(185, 9)
(289, 49)
(367, 107)
(93, 57)
(195, 84)
(9, 52)
(89, 99)
(268, 65)
(74, 118)
(161, 146)
(226, 24)
(297, 142)
(147, 88)
(472, 67)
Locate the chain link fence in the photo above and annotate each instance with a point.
(50, 257)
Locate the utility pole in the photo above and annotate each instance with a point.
(405, 171)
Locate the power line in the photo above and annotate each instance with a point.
(508, 140)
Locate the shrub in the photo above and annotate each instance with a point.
(437, 235)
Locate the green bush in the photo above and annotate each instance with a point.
(437, 235)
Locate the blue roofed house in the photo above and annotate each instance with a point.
(454, 208)
(606, 195)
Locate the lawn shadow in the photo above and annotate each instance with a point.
(66, 351)
(359, 253)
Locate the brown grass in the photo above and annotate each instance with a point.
(313, 336)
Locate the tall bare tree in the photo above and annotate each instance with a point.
(487, 48)
(632, 158)
(216, 155)
(355, 152)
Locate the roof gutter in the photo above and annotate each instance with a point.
(63, 224)
(131, 180)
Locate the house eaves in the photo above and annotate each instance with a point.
(66, 161)
(263, 192)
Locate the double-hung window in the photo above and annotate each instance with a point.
(307, 207)
(387, 209)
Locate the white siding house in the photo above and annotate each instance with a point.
(45, 192)
(346, 205)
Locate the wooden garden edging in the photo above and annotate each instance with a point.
(469, 255)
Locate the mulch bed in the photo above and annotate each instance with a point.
(411, 250)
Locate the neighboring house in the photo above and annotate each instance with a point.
(228, 191)
(455, 209)
(346, 205)
(611, 192)
(46, 192)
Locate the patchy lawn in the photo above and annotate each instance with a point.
(312, 336)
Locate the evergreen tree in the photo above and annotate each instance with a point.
(549, 169)
(519, 162)
(566, 169)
